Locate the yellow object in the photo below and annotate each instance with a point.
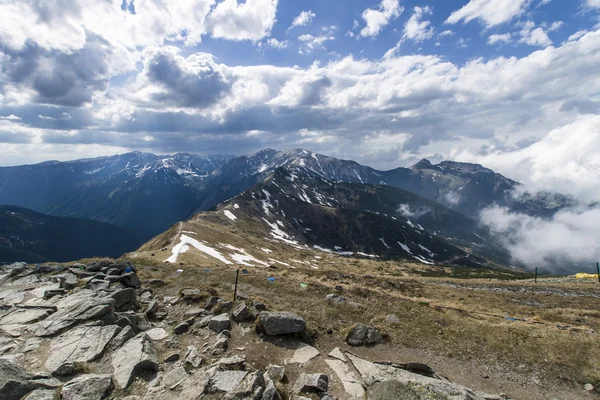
(582, 275)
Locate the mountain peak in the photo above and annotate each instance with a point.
(424, 163)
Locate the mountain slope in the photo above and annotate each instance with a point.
(29, 236)
(135, 190)
(294, 216)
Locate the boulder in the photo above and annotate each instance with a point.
(225, 381)
(152, 308)
(219, 346)
(123, 336)
(130, 279)
(335, 298)
(15, 382)
(210, 303)
(87, 387)
(219, 323)
(113, 272)
(270, 392)
(281, 323)
(81, 344)
(241, 313)
(41, 394)
(251, 387)
(98, 284)
(311, 383)
(136, 356)
(361, 335)
(191, 295)
(68, 368)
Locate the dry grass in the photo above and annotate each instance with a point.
(454, 321)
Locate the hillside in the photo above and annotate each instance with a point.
(297, 217)
(29, 236)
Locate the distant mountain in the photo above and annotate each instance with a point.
(295, 211)
(29, 236)
(138, 191)
(467, 188)
(147, 193)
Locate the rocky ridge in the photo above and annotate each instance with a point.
(96, 331)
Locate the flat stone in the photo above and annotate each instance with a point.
(174, 377)
(311, 383)
(337, 354)
(303, 353)
(87, 387)
(225, 381)
(335, 298)
(192, 357)
(195, 312)
(350, 380)
(250, 387)
(136, 356)
(21, 316)
(130, 279)
(281, 323)
(11, 296)
(123, 336)
(124, 298)
(157, 334)
(270, 392)
(87, 308)
(81, 344)
(41, 394)
(219, 323)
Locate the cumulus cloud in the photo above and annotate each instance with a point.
(593, 3)
(277, 44)
(489, 12)
(310, 42)
(565, 243)
(499, 38)
(304, 18)
(406, 211)
(534, 36)
(250, 20)
(376, 20)
(415, 28)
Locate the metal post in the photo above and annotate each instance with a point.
(237, 275)
(598, 270)
(535, 274)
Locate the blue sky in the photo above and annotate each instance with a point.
(512, 84)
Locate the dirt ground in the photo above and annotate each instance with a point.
(494, 334)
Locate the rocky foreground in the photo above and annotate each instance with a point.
(96, 331)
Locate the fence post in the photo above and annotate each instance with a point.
(598, 270)
(535, 274)
(237, 275)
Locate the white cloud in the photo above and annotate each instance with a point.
(311, 42)
(376, 20)
(445, 33)
(499, 38)
(593, 3)
(569, 237)
(251, 20)
(489, 12)
(304, 18)
(276, 44)
(416, 29)
(577, 35)
(555, 26)
(534, 36)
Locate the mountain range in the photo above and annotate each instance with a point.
(146, 194)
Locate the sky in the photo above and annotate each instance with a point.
(510, 84)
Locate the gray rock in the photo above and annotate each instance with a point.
(174, 377)
(219, 346)
(270, 392)
(275, 372)
(191, 295)
(21, 316)
(303, 354)
(222, 306)
(219, 323)
(152, 308)
(392, 319)
(193, 359)
(335, 298)
(203, 323)
(113, 272)
(173, 342)
(311, 383)
(225, 381)
(130, 279)
(81, 344)
(231, 363)
(124, 298)
(361, 335)
(11, 297)
(241, 313)
(259, 306)
(98, 284)
(15, 382)
(251, 387)
(123, 336)
(181, 328)
(588, 387)
(281, 323)
(41, 394)
(87, 387)
(133, 358)
(393, 390)
(66, 281)
(195, 312)
(68, 368)
(83, 309)
(50, 293)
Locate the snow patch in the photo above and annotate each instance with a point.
(183, 247)
(229, 215)
(267, 251)
(236, 206)
(405, 248)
